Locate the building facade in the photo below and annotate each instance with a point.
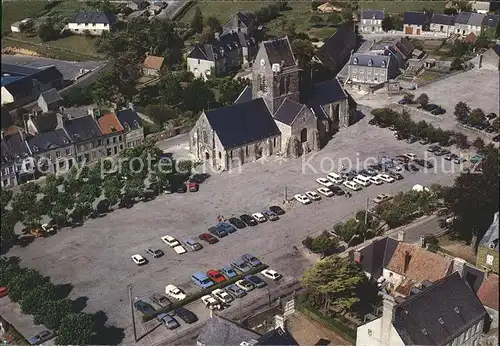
(415, 23)
(367, 70)
(370, 21)
(442, 23)
(487, 250)
(94, 23)
(336, 50)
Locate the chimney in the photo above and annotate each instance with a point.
(60, 120)
(407, 261)
(131, 106)
(459, 266)
(217, 35)
(388, 309)
(357, 256)
(422, 241)
(401, 236)
(94, 112)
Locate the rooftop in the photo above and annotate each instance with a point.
(93, 17)
(153, 62)
(372, 14)
(488, 292)
(490, 238)
(220, 331)
(109, 123)
(416, 18)
(288, 111)
(443, 19)
(129, 118)
(279, 51)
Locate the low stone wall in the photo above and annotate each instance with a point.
(159, 136)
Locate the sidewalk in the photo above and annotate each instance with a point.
(24, 324)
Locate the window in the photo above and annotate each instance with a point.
(121, 146)
(231, 154)
(120, 138)
(467, 334)
(262, 83)
(489, 260)
(105, 24)
(274, 141)
(58, 153)
(107, 141)
(68, 151)
(220, 155)
(49, 156)
(61, 164)
(114, 140)
(355, 61)
(94, 154)
(246, 150)
(99, 143)
(370, 332)
(198, 61)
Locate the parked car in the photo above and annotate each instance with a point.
(424, 141)
(193, 186)
(335, 178)
(250, 221)
(201, 280)
(277, 210)
(174, 292)
(156, 253)
(325, 191)
(3, 291)
(235, 291)
(139, 260)
(381, 198)
(313, 195)
(450, 157)
(496, 139)
(211, 303)
(41, 337)
(410, 167)
(411, 139)
(423, 163)
(161, 300)
(181, 188)
(490, 129)
(240, 265)
(396, 175)
(352, 185)
(385, 178)
(228, 272)
(193, 244)
(245, 285)
(476, 158)
(145, 308)
(255, 280)
(337, 190)
(237, 223)
(259, 217)
(433, 148)
(491, 116)
(270, 215)
(376, 180)
(410, 156)
(325, 182)
(438, 111)
(404, 101)
(271, 274)
(216, 276)
(170, 241)
(459, 160)
(168, 321)
(179, 249)
(302, 198)
(372, 122)
(222, 295)
(186, 315)
(251, 260)
(226, 226)
(218, 232)
(208, 238)
(441, 152)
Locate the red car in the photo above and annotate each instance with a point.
(3, 291)
(209, 238)
(193, 187)
(216, 276)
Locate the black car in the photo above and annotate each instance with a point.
(276, 209)
(182, 188)
(424, 141)
(430, 107)
(482, 126)
(337, 190)
(433, 148)
(423, 163)
(237, 223)
(490, 129)
(218, 232)
(496, 138)
(256, 281)
(438, 111)
(372, 122)
(144, 307)
(250, 221)
(186, 315)
(411, 167)
(411, 139)
(491, 116)
(441, 152)
(396, 175)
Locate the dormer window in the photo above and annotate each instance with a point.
(383, 63)
(370, 62)
(355, 61)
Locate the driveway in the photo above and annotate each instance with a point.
(95, 258)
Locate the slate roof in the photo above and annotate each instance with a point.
(476, 19)
(443, 19)
(450, 300)
(198, 52)
(16, 147)
(20, 85)
(242, 123)
(217, 48)
(278, 337)
(363, 59)
(416, 18)
(288, 111)
(82, 129)
(244, 18)
(491, 20)
(491, 235)
(129, 118)
(488, 292)
(48, 141)
(330, 53)
(45, 122)
(376, 255)
(245, 96)
(51, 96)
(462, 18)
(220, 331)
(153, 62)
(6, 119)
(326, 92)
(372, 14)
(245, 41)
(109, 123)
(422, 264)
(279, 51)
(93, 17)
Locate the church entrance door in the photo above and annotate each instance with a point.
(303, 136)
(207, 156)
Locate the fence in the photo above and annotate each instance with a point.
(410, 109)
(470, 128)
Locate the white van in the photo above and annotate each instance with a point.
(335, 178)
(362, 180)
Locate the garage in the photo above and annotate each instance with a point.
(408, 30)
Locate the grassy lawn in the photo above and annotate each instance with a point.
(457, 248)
(221, 10)
(13, 11)
(402, 6)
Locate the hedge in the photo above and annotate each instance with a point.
(193, 297)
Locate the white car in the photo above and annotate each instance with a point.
(382, 198)
(302, 198)
(174, 292)
(211, 303)
(179, 249)
(245, 285)
(325, 182)
(325, 191)
(398, 168)
(386, 177)
(313, 195)
(138, 259)
(411, 156)
(47, 228)
(352, 185)
(335, 178)
(259, 217)
(271, 274)
(170, 241)
(376, 180)
(222, 295)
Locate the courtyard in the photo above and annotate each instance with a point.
(95, 258)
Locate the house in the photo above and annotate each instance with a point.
(328, 8)
(152, 65)
(482, 7)
(368, 69)
(240, 22)
(50, 100)
(490, 23)
(444, 313)
(488, 295)
(370, 21)
(489, 60)
(487, 249)
(375, 256)
(137, 5)
(21, 84)
(470, 38)
(474, 24)
(16, 161)
(443, 24)
(132, 125)
(94, 23)
(21, 25)
(414, 23)
(335, 52)
(276, 118)
(113, 133)
(461, 23)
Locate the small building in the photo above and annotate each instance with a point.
(94, 23)
(470, 38)
(489, 60)
(132, 125)
(16, 158)
(461, 23)
(328, 8)
(367, 69)
(442, 23)
(152, 65)
(21, 25)
(487, 250)
(474, 25)
(113, 134)
(137, 5)
(241, 21)
(370, 21)
(415, 23)
(336, 50)
(488, 295)
(50, 100)
(482, 7)
(85, 132)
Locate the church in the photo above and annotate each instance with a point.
(271, 117)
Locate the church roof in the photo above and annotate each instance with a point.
(246, 95)
(326, 92)
(279, 51)
(288, 111)
(242, 123)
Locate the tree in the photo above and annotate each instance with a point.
(26, 281)
(316, 20)
(230, 89)
(198, 96)
(347, 13)
(5, 198)
(387, 23)
(112, 187)
(160, 113)
(450, 11)
(409, 97)
(477, 117)
(213, 23)
(462, 111)
(32, 302)
(456, 64)
(47, 31)
(197, 21)
(478, 143)
(334, 19)
(53, 312)
(461, 141)
(331, 284)
(171, 90)
(323, 243)
(423, 99)
(303, 51)
(208, 34)
(75, 329)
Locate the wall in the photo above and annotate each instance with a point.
(6, 96)
(8, 175)
(134, 138)
(394, 278)
(92, 150)
(52, 158)
(306, 120)
(96, 29)
(200, 67)
(448, 29)
(378, 336)
(413, 27)
(494, 317)
(114, 143)
(482, 252)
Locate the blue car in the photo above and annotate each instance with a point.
(240, 265)
(251, 260)
(255, 280)
(228, 272)
(201, 280)
(226, 226)
(235, 291)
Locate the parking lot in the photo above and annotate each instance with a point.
(95, 258)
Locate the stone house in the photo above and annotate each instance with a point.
(271, 116)
(490, 23)
(414, 23)
(444, 313)
(137, 5)
(50, 100)
(490, 59)
(336, 50)
(152, 65)
(240, 22)
(487, 249)
(474, 24)
(442, 23)
(113, 134)
(132, 125)
(93, 22)
(370, 21)
(366, 69)
(461, 23)
(16, 161)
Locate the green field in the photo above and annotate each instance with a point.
(398, 7)
(13, 11)
(222, 9)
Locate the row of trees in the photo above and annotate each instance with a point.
(473, 117)
(355, 231)
(50, 306)
(324, 244)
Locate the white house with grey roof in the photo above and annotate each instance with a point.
(366, 70)
(474, 23)
(370, 21)
(94, 22)
(443, 24)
